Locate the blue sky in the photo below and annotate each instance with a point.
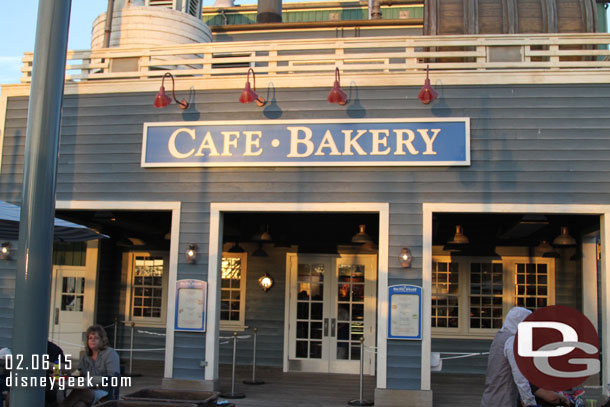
(18, 25)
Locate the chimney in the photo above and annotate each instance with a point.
(269, 11)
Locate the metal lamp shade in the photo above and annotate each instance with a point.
(336, 95)
(361, 236)
(564, 239)
(162, 100)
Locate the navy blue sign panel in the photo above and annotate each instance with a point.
(380, 142)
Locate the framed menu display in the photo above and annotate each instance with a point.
(190, 305)
(405, 309)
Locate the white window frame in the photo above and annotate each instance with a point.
(509, 295)
(239, 325)
(152, 322)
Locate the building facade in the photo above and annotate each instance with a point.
(478, 185)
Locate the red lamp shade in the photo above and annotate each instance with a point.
(427, 94)
(336, 95)
(248, 95)
(162, 99)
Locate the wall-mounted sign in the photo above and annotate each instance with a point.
(405, 302)
(356, 142)
(190, 305)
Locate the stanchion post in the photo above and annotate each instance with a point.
(233, 395)
(254, 381)
(116, 327)
(361, 401)
(131, 349)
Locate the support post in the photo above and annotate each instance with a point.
(34, 262)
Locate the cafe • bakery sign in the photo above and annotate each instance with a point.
(295, 143)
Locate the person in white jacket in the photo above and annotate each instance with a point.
(501, 388)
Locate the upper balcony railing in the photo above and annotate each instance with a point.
(365, 55)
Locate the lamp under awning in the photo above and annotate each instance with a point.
(64, 231)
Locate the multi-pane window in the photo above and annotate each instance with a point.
(310, 305)
(486, 290)
(350, 311)
(72, 293)
(471, 295)
(445, 294)
(232, 289)
(147, 287)
(532, 285)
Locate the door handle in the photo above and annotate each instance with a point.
(56, 316)
(325, 326)
(333, 324)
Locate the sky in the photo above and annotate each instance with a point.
(18, 26)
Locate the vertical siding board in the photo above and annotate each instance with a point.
(527, 147)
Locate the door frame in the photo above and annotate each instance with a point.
(215, 253)
(603, 211)
(370, 313)
(170, 206)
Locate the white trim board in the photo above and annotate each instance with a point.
(430, 208)
(216, 211)
(174, 207)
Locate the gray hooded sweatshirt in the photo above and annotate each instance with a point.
(500, 388)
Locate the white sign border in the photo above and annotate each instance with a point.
(465, 162)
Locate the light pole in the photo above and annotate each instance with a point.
(34, 263)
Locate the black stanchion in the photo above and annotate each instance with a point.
(361, 401)
(131, 373)
(233, 394)
(254, 381)
(116, 325)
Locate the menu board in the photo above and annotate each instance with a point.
(190, 305)
(405, 309)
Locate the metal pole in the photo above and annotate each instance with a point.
(361, 401)
(116, 327)
(34, 263)
(233, 395)
(108, 26)
(233, 366)
(253, 381)
(131, 349)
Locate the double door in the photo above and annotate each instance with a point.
(331, 305)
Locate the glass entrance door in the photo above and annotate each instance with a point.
(331, 306)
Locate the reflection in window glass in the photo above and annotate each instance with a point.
(230, 289)
(147, 287)
(445, 294)
(532, 290)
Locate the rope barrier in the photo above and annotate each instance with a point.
(238, 337)
(461, 355)
(150, 333)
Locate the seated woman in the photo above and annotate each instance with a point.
(99, 361)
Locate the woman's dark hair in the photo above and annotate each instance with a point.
(96, 329)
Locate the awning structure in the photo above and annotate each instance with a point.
(63, 231)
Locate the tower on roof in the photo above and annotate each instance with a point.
(151, 23)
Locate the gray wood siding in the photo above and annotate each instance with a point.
(469, 365)
(529, 144)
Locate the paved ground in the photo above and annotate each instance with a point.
(323, 390)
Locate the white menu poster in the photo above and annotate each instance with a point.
(404, 312)
(190, 305)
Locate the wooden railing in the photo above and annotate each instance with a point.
(392, 55)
